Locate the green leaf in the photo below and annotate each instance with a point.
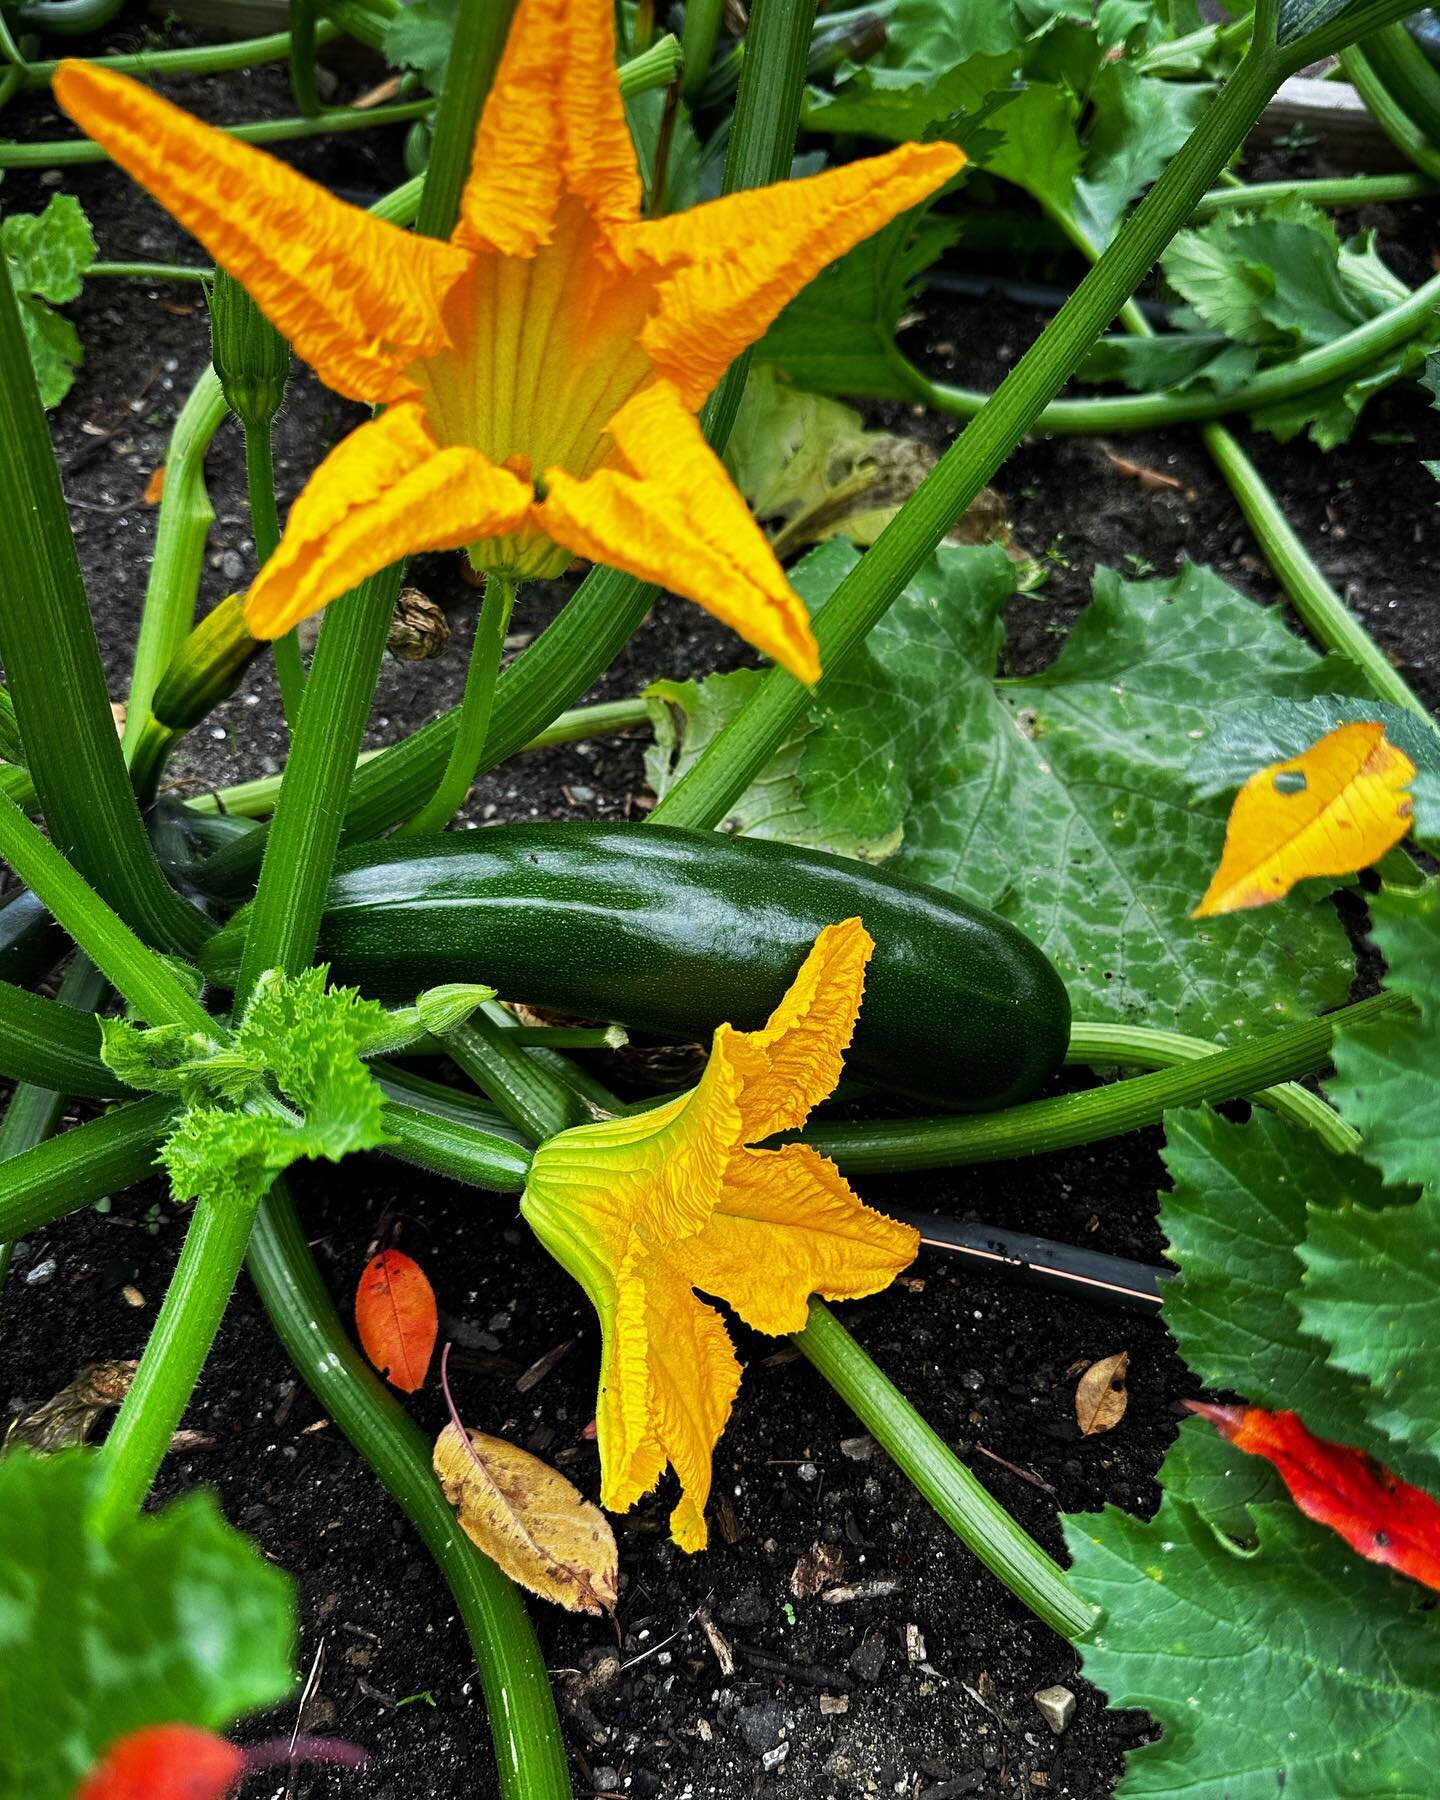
(171, 1059)
(1247, 738)
(1298, 1668)
(1222, 1483)
(1262, 286)
(1236, 1218)
(1138, 126)
(1060, 800)
(419, 36)
(48, 254)
(1387, 1070)
(312, 1038)
(171, 1618)
(1372, 1295)
(838, 335)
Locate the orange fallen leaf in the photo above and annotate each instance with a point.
(1335, 809)
(155, 487)
(166, 1762)
(529, 1519)
(1376, 1513)
(396, 1318)
(1100, 1397)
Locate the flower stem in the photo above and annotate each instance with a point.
(146, 271)
(467, 748)
(1340, 190)
(265, 529)
(1103, 1045)
(701, 29)
(529, 1750)
(202, 59)
(889, 1146)
(977, 1519)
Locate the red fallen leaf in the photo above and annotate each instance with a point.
(396, 1318)
(1376, 1513)
(166, 1762)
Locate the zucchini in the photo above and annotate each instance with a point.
(675, 931)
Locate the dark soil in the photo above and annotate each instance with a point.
(927, 1689)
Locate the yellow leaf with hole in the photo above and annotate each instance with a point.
(529, 1519)
(1335, 809)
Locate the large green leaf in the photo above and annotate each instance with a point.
(1061, 801)
(1296, 1670)
(1387, 1070)
(1247, 738)
(1372, 1296)
(173, 1617)
(1242, 1200)
(48, 254)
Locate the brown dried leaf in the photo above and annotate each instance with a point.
(68, 1418)
(820, 1567)
(1100, 1397)
(529, 1519)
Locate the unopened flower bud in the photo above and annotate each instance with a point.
(207, 667)
(250, 356)
(419, 629)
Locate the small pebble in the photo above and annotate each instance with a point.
(831, 1704)
(808, 1472)
(1056, 1705)
(131, 1295)
(772, 1759)
(232, 566)
(858, 1449)
(605, 1779)
(41, 1273)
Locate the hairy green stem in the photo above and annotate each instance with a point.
(888, 1146)
(524, 1090)
(467, 747)
(1098, 1045)
(1389, 115)
(480, 33)
(1338, 190)
(976, 1518)
(82, 1165)
(203, 59)
(1408, 76)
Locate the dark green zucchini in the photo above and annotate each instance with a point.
(675, 931)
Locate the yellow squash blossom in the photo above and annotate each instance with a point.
(542, 370)
(643, 1210)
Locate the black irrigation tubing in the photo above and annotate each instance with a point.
(1041, 1262)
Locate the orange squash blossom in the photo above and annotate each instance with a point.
(643, 1210)
(541, 371)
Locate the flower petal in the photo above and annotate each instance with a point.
(788, 1067)
(381, 493)
(632, 1458)
(788, 1227)
(358, 298)
(553, 121)
(739, 259)
(675, 518)
(693, 1378)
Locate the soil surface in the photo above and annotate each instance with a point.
(925, 1688)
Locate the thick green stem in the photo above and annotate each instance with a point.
(701, 29)
(1389, 115)
(529, 1750)
(702, 797)
(70, 153)
(976, 1518)
(34, 1113)
(52, 665)
(300, 847)
(265, 529)
(82, 1165)
(146, 980)
(888, 1146)
(56, 1043)
(175, 1353)
(147, 271)
(182, 527)
(1100, 1045)
(481, 27)
(467, 748)
(533, 1099)
(1408, 77)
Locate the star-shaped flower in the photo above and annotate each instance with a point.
(643, 1210)
(541, 371)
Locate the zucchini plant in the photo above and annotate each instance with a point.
(556, 354)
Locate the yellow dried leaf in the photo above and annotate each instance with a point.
(1335, 809)
(529, 1519)
(1100, 1397)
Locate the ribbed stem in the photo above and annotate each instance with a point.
(889, 1146)
(976, 1518)
(481, 27)
(1338, 190)
(1389, 115)
(520, 1086)
(203, 59)
(702, 797)
(265, 529)
(82, 1165)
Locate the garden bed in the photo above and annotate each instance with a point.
(924, 1687)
